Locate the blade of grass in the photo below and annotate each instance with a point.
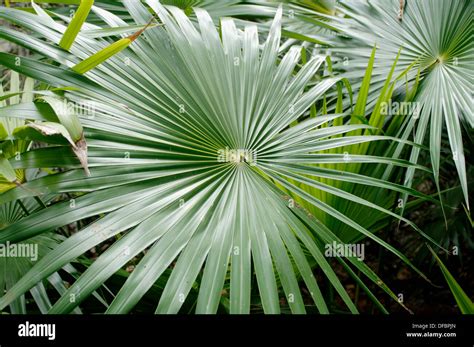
(464, 302)
(76, 23)
(109, 51)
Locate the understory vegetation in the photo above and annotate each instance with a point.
(199, 156)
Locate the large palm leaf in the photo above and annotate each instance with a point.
(15, 267)
(435, 38)
(165, 108)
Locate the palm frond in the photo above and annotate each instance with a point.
(187, 129)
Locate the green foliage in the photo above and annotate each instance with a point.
(464, 302)
(219, 158)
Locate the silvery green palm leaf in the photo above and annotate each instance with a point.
(191, 158)
(216, 9)
(17, 259)
(435, 38)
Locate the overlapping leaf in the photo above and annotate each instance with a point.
(189, 146)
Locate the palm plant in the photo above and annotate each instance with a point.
(191, 155)
(216, 9)
(442, 58)
(11, 148)
(12, 269)
(435, 42)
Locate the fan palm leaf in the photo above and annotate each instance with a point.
(435, 38)
(441, 50)
(189, 144)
